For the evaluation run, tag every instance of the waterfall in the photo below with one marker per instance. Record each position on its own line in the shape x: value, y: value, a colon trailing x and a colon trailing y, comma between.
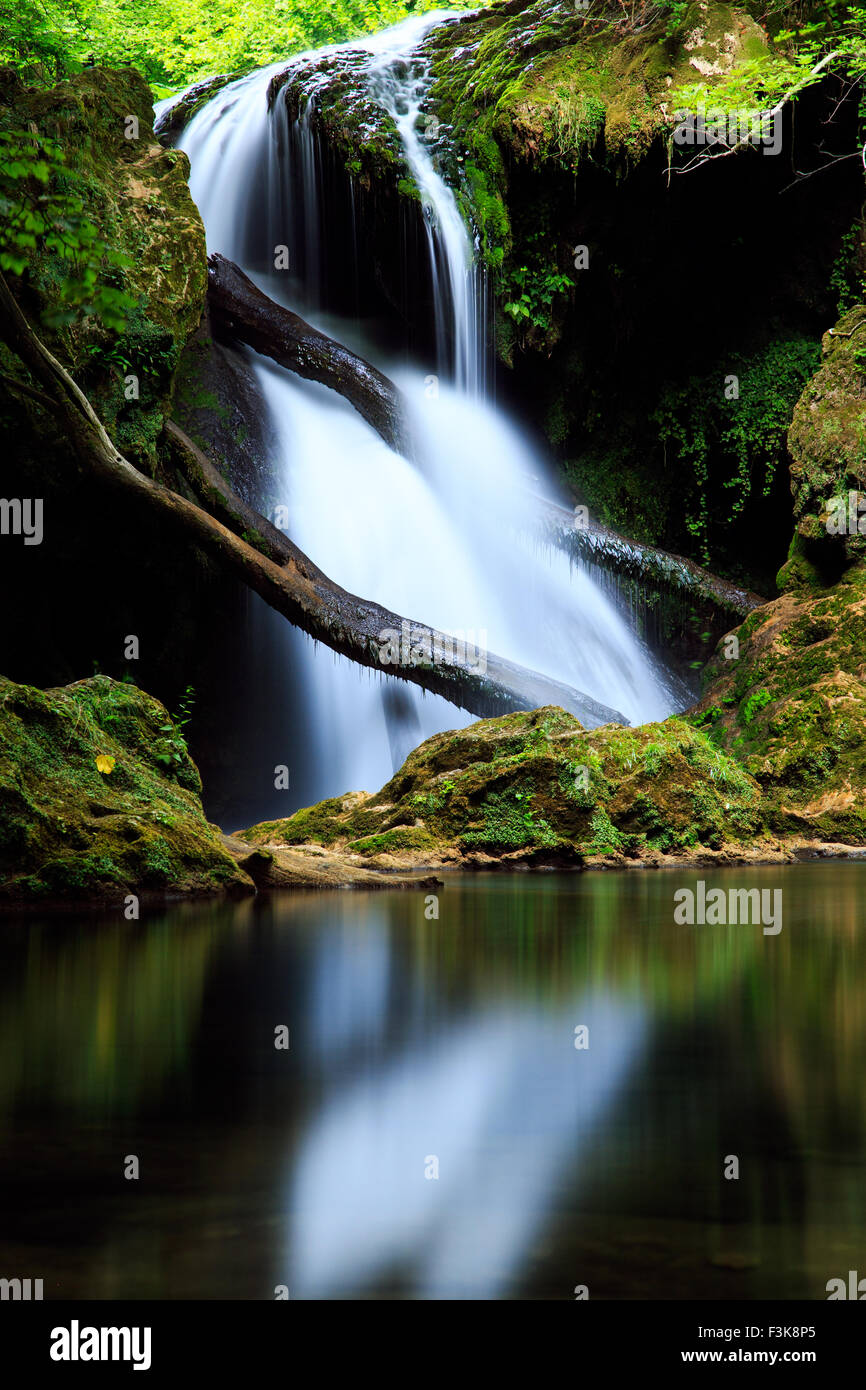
x: 400, y: 89
x: 439, y: 538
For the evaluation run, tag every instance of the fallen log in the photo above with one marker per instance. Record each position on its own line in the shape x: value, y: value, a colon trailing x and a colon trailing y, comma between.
x: 267, y: 562
x: 241, y: 309
x: 500, y: 687
x: 592, y: 541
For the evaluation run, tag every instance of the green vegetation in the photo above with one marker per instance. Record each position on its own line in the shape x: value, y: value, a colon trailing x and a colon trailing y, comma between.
x: 89, y: 808
x: 175, y: 42
x: 101, y: 236
x: 42, y: 202
x: 538, y: 787
x: 792, y: 708
x: 700, y: 423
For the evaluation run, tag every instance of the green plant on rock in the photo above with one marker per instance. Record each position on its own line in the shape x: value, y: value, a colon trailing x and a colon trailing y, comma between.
x: 533, y: 293
x: 509, y: 823
x: 847, y: 280
x: 753, y: 704
x: 43, y: 208
x: 606, y: 839
x: 734, y: 444
x: 172, y: 751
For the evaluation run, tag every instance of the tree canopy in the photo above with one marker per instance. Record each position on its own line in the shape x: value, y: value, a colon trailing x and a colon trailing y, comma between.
x: 175, y: 42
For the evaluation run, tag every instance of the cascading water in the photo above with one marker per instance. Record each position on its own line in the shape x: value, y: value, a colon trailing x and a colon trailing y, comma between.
x: 441, y: 538
x: 400, y: 89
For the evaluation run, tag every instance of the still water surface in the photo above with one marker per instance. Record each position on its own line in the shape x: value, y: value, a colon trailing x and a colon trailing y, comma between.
x: 416, y: 1042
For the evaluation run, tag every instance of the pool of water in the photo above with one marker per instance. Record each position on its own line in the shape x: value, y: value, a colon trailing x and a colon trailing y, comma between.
x: 432, y: 1130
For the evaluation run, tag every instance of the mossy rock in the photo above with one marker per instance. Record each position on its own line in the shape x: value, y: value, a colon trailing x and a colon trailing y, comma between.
x: 169, y: 125
x: 538, y: 787
x: 791, y: 707
x: 100, y: 798
x: 333, y: 94
x: 827, y: 444
x: 541, y: 83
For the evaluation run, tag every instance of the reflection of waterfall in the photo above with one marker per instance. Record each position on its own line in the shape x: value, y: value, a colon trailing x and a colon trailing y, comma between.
x: 506, y: 1106
x: 438, y: 540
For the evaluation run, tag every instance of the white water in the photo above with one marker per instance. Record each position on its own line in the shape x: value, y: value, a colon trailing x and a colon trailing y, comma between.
x: 438, y: 540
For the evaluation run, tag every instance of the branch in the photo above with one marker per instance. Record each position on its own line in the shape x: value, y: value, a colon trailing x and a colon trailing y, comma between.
x: 281, y: 574
x: 29, y: 391
x: 834, y: 332
x: 241, y: 309
x: 705, y: 156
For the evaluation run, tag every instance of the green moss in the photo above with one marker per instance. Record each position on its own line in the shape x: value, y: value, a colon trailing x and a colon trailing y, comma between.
x: 408, y: 837
x: 537, y: 782
x: 792, y: 707
x: 827, y: 443
x: 68, y: 828
x: 508, y: 822
x: 753, y: 703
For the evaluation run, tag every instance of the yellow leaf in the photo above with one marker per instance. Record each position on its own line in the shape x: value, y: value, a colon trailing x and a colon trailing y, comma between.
x: 105, y: 764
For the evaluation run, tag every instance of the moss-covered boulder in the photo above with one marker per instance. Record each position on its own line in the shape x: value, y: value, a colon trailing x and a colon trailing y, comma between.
x: 99, y: 797
x: 538, y: 788
x: 335, y: 95
x: 827, y: 443
x: 788, y: 701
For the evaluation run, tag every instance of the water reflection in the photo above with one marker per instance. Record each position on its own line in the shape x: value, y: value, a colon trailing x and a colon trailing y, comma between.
x: 442, y: 1165
x: 451, y: 1039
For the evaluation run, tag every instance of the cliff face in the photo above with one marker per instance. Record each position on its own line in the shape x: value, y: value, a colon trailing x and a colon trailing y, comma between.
x: 827, y: 441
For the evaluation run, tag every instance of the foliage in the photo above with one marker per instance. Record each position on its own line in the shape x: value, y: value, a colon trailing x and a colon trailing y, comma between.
x: 172, y: 751
x: 509, y: 823
x: 532, y: 291
x: 35, y: 36
x: 753, y: 704
x: 700, y: 426
x: 175, y: 42
x: 846, y: 278
x: 830, y: 36
x: 42, y: 209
